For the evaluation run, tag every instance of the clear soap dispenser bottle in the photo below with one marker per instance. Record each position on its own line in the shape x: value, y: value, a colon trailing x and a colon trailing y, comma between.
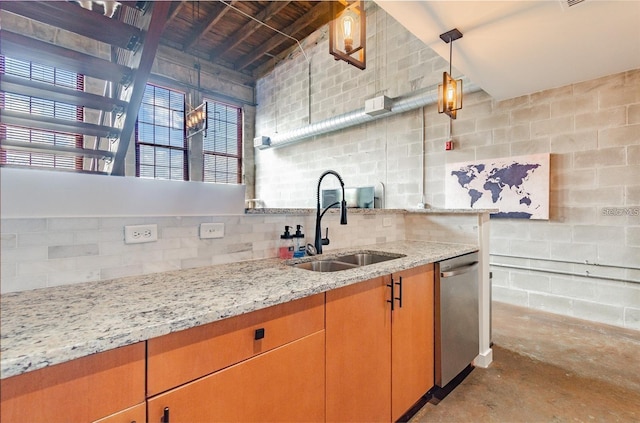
x: 299, y: 248
x: 285, y: 251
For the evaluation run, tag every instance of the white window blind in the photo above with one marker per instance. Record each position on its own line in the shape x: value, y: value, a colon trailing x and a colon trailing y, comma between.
x: 222, y: 144
x: 40, y: 107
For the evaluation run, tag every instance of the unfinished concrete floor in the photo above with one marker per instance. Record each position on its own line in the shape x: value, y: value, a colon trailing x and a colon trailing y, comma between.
x: 548, y: 368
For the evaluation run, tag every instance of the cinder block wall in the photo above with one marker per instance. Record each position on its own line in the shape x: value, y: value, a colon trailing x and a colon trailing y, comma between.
x: 585, y: 260
x: 386, y: 151
x: 591, y: 129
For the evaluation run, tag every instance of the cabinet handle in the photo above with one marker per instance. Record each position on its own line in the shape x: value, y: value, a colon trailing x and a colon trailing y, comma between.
x: 259, y: 334
x: 399, y: 297
x: 165, y: 415
x: 390, y: 285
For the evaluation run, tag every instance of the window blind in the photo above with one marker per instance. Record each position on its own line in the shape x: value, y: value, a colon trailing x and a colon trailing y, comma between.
x: 222, y: 144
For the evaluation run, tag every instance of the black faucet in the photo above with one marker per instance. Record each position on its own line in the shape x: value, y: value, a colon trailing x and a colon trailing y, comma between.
x: 319, y: 241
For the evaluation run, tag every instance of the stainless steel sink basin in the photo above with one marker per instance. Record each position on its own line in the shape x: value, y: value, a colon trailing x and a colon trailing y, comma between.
x: 325, y: 266
x: 363, y: 259
x: 345, y: 262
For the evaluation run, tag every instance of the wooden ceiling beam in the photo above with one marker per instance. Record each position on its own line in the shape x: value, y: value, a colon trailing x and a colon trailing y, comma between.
x: 176, y: 8
x: 246, y: 31
x: 313, y: 14
x: 201, y: 31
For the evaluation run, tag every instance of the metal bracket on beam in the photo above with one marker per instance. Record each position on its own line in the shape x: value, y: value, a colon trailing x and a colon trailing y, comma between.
x: 134, y: 43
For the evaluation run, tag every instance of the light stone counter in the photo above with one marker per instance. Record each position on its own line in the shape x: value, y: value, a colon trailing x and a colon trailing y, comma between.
x: 48, y: 326
x: 312, y: 211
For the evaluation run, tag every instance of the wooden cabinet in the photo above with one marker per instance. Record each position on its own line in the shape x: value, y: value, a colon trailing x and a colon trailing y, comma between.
x: 285, y: 384
x: 81, y: 390
x: 413, y: 354
x: 363, y: 352
x: 379, y: 361
x: 267, y: 365
x: 358, y: 332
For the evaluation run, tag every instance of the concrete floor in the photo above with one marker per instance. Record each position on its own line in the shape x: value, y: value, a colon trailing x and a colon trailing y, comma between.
x: 548, y: 368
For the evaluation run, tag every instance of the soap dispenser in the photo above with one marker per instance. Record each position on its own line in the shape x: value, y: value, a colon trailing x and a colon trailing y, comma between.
x: 299, y: 236
x: 285, y: 251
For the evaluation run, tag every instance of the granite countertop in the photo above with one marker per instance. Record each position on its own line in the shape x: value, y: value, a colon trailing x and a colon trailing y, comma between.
x: 48, y: 326
x: 312, y: 211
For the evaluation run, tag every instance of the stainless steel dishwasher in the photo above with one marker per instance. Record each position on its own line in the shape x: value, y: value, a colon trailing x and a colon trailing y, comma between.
x: 456, y: 316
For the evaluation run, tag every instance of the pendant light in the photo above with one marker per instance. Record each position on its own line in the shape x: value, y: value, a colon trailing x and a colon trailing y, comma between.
x: 450, y: 91
x: 196, y: 117
x: 348, y: 34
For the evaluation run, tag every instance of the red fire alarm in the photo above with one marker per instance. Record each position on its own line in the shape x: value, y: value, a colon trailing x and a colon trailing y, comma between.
x: 448, y: 145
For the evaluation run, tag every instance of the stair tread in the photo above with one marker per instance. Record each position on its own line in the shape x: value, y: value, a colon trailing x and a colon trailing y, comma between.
x: 73, y: 18
x: 10, y: 117
x: 26, y: 48
x: 23, y: 86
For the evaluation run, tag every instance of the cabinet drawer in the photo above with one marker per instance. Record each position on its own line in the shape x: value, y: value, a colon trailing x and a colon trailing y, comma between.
x: 135, y: 414
x: 183, y: 356
x: 285, y: 384
x: 81, y: 390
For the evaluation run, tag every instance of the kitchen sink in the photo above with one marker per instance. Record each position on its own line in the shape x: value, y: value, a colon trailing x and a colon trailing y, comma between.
x: 325, y: 265
x: 346, y: 262
x: 363, y: 259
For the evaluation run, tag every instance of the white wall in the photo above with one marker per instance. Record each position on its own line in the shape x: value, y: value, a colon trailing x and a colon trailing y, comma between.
x: 43, y: 193
x: 591, y: 129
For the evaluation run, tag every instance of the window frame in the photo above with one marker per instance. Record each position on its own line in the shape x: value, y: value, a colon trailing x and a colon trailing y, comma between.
x: 212, y: 153
x: 184, y: 149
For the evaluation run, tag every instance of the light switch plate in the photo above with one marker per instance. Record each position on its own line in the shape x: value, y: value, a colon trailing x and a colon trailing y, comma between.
x: 211, y: 230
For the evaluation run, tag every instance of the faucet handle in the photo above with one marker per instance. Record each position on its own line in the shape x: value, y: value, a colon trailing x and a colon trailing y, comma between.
x: 325, y: 240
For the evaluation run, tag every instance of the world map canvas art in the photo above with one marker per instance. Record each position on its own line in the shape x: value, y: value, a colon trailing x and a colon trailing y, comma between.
x: 517, y: 186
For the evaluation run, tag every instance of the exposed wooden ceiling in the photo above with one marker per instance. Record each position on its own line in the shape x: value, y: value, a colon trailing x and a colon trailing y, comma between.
x: 245, y: 36
x: 224, y: 32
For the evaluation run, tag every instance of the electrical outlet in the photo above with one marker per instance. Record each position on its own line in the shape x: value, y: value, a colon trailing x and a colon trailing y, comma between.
x: 140, y: 233
x: 211, y: 230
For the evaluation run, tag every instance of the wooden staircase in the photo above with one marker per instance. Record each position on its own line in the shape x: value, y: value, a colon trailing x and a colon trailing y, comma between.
x: 132, y: 35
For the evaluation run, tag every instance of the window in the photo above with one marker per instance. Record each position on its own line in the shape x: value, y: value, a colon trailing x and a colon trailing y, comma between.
x: 161, y: 145
x: 222, y: 144
x: 21, y: 135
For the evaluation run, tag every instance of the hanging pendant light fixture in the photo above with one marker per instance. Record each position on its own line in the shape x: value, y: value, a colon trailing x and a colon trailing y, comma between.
x: 450, y: 91
x: 196, y: 117
x: 348, y: 34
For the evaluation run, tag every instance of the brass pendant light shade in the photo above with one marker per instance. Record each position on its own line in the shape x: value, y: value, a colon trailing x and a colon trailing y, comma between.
x: 348, y: 34
x: 450, y: 91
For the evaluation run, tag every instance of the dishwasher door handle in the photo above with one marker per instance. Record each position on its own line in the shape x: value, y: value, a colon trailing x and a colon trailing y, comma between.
x: 460, y: 270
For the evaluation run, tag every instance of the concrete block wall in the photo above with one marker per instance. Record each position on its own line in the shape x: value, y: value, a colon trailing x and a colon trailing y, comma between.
x: 385, y: 151
x: 585, y: 260
x: 591, y: 129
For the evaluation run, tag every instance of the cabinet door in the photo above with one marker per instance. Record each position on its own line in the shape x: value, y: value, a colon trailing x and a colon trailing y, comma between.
x: 285, y: 384
x: 81, y: 390
x: 358, y: 327
x: 413, y: 339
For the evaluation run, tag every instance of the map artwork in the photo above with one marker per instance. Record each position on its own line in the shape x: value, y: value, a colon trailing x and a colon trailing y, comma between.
x: 517, y: 186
